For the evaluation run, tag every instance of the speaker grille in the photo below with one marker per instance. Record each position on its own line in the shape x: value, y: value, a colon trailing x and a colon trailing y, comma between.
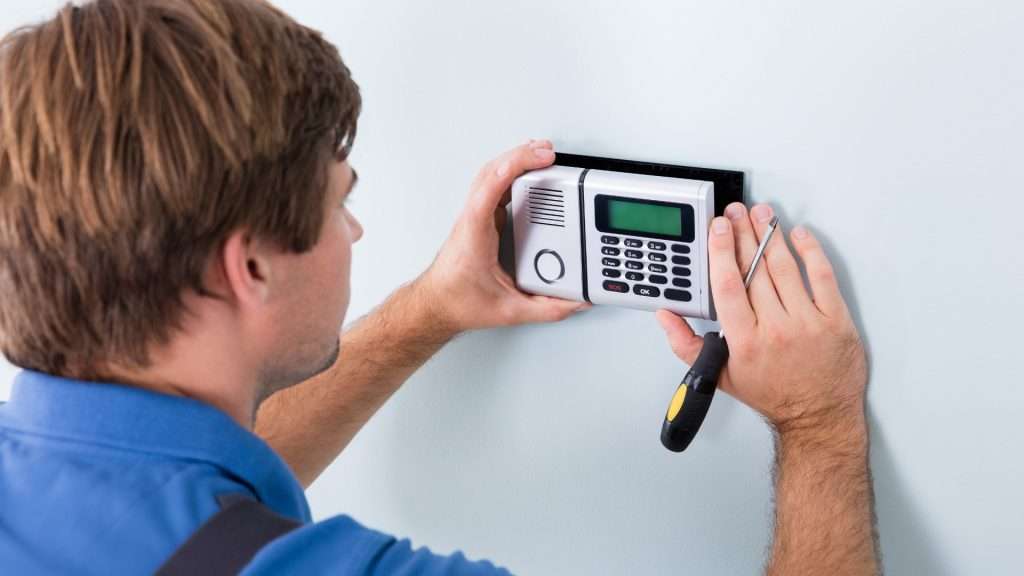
x: 546, y: 206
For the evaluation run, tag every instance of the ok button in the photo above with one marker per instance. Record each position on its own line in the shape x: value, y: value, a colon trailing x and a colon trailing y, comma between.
x: 644, y: 290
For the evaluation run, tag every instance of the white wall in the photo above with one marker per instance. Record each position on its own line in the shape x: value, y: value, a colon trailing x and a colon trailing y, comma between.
x: 895, y: 131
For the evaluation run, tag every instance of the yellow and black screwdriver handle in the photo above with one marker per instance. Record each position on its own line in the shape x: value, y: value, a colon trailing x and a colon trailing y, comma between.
x: 692, y: 399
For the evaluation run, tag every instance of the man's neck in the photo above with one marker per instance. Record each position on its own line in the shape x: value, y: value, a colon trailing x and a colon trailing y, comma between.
x: 198, y: 368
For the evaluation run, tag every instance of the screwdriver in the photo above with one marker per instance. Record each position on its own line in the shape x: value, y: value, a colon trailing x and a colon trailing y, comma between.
x: 693, y: 397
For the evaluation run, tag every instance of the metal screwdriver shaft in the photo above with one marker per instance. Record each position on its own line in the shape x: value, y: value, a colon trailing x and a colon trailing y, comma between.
x: 757, y: 259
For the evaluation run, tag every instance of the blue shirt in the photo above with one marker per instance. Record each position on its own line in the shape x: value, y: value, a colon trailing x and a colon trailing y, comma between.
x: 108, y: 479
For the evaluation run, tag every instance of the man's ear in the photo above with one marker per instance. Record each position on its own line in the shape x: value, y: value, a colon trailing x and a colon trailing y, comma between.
x: 246, y: 269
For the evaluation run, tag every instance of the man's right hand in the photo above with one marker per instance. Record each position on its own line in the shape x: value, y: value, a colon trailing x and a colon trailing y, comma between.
x: 795, y: 359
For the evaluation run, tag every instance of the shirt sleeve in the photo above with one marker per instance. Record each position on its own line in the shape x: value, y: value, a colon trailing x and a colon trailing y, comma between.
x: 400, y: 559
x: 342, y: 546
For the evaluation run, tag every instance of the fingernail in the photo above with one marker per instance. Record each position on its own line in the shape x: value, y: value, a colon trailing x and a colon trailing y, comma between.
x: 544, y: 153
x: 720, y: 226
x: 538, y: 143
x: 735, y: 211
x: 800, y: 232
x: 762, y: 212
x: 503, y: 169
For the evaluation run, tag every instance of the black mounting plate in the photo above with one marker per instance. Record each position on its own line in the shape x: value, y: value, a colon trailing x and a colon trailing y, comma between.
x: 728, y: 183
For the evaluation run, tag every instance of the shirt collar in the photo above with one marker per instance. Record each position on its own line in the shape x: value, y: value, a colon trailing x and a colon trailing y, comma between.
x: 143, y: 421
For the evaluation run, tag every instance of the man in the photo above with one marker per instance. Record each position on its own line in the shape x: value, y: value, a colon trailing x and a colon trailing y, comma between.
x: 174, y: 265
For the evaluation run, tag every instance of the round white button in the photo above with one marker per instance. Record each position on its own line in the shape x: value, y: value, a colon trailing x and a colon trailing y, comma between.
x: 549, y: 266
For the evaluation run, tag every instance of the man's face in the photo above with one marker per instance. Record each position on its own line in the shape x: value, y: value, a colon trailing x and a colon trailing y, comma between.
x: 314, y: 293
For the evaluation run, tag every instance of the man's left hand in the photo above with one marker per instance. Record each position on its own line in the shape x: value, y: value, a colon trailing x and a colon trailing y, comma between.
x: 465, y: 287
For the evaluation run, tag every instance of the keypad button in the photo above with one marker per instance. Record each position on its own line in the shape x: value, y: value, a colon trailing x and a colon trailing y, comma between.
x: 684, y: 260
x: 633, y: 243
x: 611, y: 240
x: 611, y: 261
x: 656, y: 257
x: 634, y: 276
x: 655, y: 279
x: 680, y: 271
x: 634, y: 265
x: 609, y: 251
x: 656, y: 245
x: 681, y: 282
x: 614, y: 286
x: 644, y: 290
x: 680, y: 248
x: 634, y: 254
x: 610, y: 273
x: 657, y: 268
x: 680, y: 295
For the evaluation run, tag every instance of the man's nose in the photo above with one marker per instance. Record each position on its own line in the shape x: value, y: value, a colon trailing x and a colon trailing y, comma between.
x: 357, y: 230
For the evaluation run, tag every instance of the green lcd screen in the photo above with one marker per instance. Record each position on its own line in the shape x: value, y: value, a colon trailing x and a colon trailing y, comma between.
x: 643, y: 217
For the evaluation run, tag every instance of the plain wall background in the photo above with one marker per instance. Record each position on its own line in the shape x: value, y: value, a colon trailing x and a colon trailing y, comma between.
x: 894, y: 131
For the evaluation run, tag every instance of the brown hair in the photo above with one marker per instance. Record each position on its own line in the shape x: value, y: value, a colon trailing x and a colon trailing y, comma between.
x: 135, y: 136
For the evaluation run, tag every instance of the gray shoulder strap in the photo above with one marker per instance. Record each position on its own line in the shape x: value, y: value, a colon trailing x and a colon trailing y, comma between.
x: 229, y: 539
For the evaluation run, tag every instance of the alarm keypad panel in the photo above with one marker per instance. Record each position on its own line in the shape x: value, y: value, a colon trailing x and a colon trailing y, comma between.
x: 626, y: 239
x: 653, y: 220
x: 647, y: 260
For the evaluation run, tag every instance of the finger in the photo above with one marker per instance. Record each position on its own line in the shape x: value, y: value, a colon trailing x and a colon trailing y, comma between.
x: 820, y: 274
x: 495, y: 179
x: 783, y: 269
x: 534, y: 144
x: 536, y: 309
x: 731, y: 302
x: 763, y: 297
x: 684, y: 343
x: 500, y: 219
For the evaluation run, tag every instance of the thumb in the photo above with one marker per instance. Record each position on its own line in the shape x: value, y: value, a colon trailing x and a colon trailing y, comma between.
x: 684, y: 343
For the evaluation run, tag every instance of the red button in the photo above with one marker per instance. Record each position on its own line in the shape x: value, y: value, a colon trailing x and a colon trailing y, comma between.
x: 613, y: 286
